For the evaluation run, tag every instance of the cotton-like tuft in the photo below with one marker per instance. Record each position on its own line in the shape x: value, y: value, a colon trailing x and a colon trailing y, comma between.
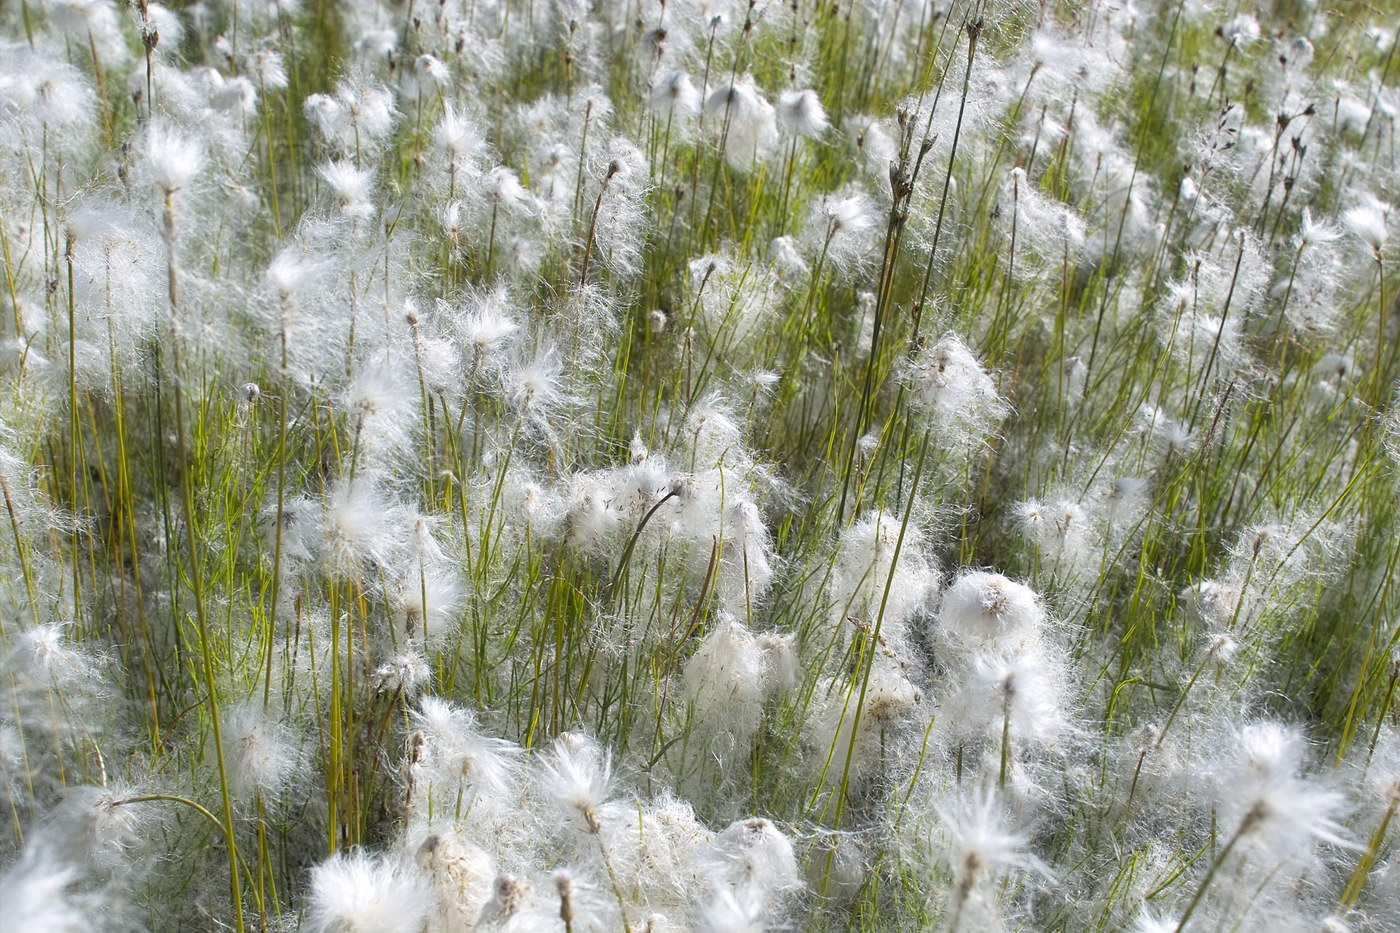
x: 362, y: 892
x: 984, y: 607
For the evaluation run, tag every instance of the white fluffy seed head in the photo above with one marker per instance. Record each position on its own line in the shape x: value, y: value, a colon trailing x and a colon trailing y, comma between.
x: 842, y: 230
x: 508, y: 897
x: 1367, y: 223
x: 291, y: 271
x: 800, y: 113
x: 101, y: 827
x: 262, y: 757
x: 872, y: 584
x: 1124, y: 498
x: 39, y: 893
x: 782, y: 668
x: 851, y: 740
x: 430, y: 70
x: 350, y: 185
x: 733, y: 910
x: 359, y: 892
x: 1241, y: 31
x: 755, y: 852
x: 460, y: 140
x: 1274, y: 811
x: 576, y: 775
x: 1314, y: 232
x: 747, y: 123
x: 723, y: 680
x: 425, y: 599
x: 405, y: 673
x: 953, y: 390
x: 461, y: 873
x: 980, y: 606
x: 358, y: 530
x: 172, y: 158
x: 461, y: 758
x: 1172, y: 437
x: 1061, y: 531
x: 1269, y: 751
x: 1016, y: 692
x: 746, y: 558
x: 45, y: 656
x: 873, y: 145
x: 674, y: 97
x: 503, y: 187
x: 979, y: 846
x: 268, y: 66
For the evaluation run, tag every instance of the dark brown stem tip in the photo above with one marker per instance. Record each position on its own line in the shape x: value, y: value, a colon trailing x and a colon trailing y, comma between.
x: 974, y: 32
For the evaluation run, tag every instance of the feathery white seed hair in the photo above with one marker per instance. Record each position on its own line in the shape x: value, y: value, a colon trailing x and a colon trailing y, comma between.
x: 981, y: 606
x: 362, y: 892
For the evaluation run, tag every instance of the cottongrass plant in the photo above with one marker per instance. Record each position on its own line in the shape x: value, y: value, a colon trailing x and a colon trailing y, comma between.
x: 689, y: 465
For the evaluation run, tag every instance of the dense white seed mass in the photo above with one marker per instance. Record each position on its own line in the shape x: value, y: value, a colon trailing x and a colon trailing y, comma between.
x: 980, y: 606
x: 552, y: 466
x: 364, y: 893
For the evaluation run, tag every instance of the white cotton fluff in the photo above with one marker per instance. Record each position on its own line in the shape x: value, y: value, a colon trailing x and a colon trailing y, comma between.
x: 461, y: 143
x: 466, y: 768
x: 724, y: 682
x: 1123, y: 500
x: 363, y: 892
x: 360, y: 529
x: 957, y: 396
x: 101, y: 828
x: 663, y: 846
x: 782, y: 668
x: 1242, y: 30
x: 425, y: 598
x: 461, y: 874
x: 980, y: 845
x: 54, y: 687
x: 382, y: 405
x: 674, y: 98
x: 973, y: 840
x: 746, y: 123
x: 576, y: 775
x: 870, y: 581
x: 1200, y: 322
x: 1367, y: 222
x: 260, y: 753
x: 1019, y: 693
x: 1276, y: 813
x: 41, y: 894
x: 746, y: 557
x: 1049, y: 235
x: 508, y: 906
x: 733, y: 910
x: 984, y: 607
x: 755, y: 852
x: 849, y: 732
x: 874, y: 147
x: 351, y: 186
x: 1169, y: 436
x: 713, y: 431
x: 119, y: 268
x: 405, y: 674
x: 592, y: 524
x: 535, y: 388
x: 356, y: 117
x: 842, y: 230
x: 800, y: 113
x: 738, y: 299
x: 172, y: 157
x: 1064, y: 535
